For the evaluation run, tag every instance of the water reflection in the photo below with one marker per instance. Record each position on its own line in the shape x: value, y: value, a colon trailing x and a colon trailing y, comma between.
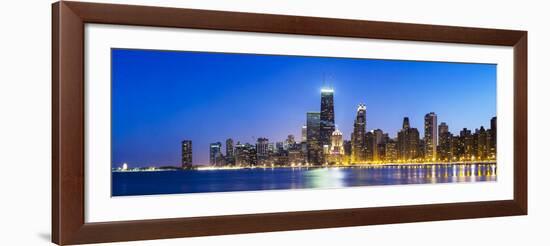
x: 174, y: 182
x: 400, y: 174
x: 325, y: 177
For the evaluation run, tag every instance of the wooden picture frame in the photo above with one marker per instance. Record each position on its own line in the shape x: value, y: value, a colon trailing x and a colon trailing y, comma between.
x: 68, y: 117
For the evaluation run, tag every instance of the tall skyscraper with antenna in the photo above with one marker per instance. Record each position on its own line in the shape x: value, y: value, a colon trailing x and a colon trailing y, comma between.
x: 327, y: 126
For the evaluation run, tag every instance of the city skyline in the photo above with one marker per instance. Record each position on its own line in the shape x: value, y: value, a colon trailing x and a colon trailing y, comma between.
x: 477, y: 81
x: 437, y: 144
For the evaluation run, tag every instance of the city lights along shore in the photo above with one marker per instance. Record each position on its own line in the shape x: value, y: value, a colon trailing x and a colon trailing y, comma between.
x: 322, y: 144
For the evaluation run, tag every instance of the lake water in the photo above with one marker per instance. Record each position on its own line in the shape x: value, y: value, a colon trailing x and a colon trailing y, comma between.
x: 196, y: 181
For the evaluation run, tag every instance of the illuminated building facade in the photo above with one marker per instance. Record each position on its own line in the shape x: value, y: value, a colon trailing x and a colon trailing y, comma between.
x: 391, y: 151
x: 262, y: 150
x: 374, y: 147
x: 358, y: 137
x: 445, y: 140
x: 216, y: 157
x: 327, y: 125
x: 430, y: 136
x: 296, y: 156
x: 467, y: 143
x: 245, y: 155
x: 337, y: 152
x: 482, y: 144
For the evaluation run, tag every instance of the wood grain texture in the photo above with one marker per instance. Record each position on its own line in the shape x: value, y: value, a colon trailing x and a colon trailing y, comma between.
x: 520, y: 122
x: 68, y: 120
x: 68, y: 224
x: 251, y: 22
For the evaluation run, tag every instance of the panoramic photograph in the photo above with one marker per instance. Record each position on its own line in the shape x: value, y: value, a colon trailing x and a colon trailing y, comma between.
x: 196, y: 122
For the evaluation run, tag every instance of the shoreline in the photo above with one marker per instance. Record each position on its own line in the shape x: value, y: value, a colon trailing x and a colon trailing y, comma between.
x: 369, y: 165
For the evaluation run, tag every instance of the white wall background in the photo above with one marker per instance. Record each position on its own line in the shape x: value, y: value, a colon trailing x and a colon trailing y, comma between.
x: 25, y: 138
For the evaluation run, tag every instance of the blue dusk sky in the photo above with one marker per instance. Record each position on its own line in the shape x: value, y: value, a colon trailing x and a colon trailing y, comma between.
x: 160, y: 98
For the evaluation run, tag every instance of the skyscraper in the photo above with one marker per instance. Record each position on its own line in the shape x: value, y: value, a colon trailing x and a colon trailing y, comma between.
x: 240, y: 159
x: 467, y: 144
x: 482, y: 144
x: 347, y: 151
x: 430, y: 135
x: 304, y: 133
x: 245, y: 155
x: 186, y: 154
x: 262, y: 150
x: 216, y: 154
x: 337, y: 147
x: 442, y: 129
x: 493, y: 139
x: 406, y: 124
x: 369, y: 139
x: 391, y: 150
x: 327, y: 117
x: 378, y: 143
x: 229, y: 152
x: 358, y: 137
x: 408, y: 142
x: 457, y: 148
x: 445, y: 140
x: 314, y: 148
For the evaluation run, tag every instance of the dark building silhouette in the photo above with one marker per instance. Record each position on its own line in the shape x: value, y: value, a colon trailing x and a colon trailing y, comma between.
x: 186, y: 154
x: 441, y: 130
x: 408, y: 142
x: 379, y: 140
x: 406, y: 124
x: 229, y: 152
x: 347, y: 150
x: 493, y: 138
x: 314, y: 148
x: 369, y: 150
